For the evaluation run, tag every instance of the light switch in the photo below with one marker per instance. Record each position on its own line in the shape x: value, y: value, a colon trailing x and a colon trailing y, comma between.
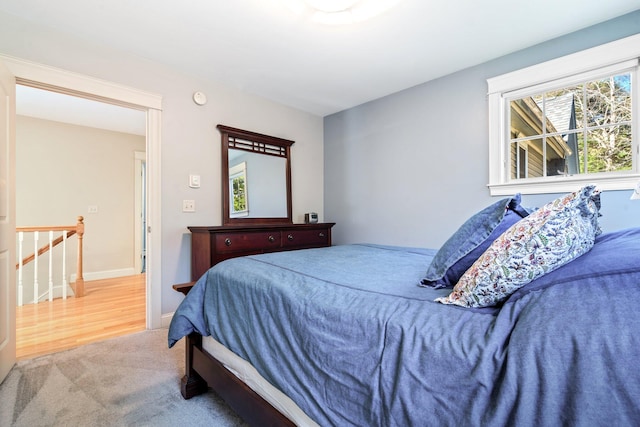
x: 188, y: 206
x: 194, y: 181
x: 92, y: 209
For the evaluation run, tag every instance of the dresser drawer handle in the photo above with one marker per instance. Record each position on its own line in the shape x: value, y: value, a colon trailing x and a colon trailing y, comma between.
x: 227, y: 241
x: 290, y: 237
x: 272, y: 239
x: 321, y: 234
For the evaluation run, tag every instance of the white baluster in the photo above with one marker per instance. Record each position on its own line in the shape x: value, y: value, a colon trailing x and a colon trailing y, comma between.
x: 50, y: 265
x: 35, y: 267
x: 64, y: 264
x: 20, y: 291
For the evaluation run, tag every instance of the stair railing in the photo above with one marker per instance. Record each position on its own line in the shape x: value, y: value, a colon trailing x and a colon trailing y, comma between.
x: 65, y: 232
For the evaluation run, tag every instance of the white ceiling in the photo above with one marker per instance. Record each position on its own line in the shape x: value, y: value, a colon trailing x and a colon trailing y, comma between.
x: 58, y: 107
x: 262, y: 47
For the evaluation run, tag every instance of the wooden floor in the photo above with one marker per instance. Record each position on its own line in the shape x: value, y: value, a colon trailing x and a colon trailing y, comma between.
x: 110, y: 308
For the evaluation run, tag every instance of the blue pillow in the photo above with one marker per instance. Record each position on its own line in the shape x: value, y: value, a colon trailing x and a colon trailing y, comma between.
x: 553, y: 236
x: 466, y: 245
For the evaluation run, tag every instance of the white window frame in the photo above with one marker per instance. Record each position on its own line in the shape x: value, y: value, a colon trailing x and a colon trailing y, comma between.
x: 611, y: 57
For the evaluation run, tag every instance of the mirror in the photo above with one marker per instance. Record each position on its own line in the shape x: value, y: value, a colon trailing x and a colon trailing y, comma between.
x: 256, y: 178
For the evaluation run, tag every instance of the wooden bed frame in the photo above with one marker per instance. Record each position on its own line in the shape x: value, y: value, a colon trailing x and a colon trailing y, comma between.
x: 210, y: 245
x: 203, y: 371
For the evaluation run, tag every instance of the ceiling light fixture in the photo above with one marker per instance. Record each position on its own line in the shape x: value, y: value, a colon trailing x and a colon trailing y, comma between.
x: 332, y: 6
x: 340, y: 12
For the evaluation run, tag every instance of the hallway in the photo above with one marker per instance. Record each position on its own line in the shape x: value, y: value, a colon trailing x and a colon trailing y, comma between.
x: 110, y: 308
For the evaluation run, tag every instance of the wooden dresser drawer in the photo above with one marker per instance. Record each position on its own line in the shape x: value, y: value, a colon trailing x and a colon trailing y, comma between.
x: 305, y: 238
x: 247, y: 241
x: 211, y: 245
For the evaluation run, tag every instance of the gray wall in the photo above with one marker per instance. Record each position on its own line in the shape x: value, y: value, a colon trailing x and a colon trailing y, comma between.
x: 410, y: 168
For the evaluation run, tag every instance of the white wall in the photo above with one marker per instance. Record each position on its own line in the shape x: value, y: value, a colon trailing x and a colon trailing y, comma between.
x: 62, y: 169
x: 190, y: 141
x: 410, y: 168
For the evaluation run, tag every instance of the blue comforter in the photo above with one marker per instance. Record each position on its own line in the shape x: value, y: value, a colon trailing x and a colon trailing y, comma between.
x: 348, y: 334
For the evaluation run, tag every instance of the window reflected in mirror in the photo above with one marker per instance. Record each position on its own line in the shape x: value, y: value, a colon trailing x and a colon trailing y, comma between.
x: 238, y: 190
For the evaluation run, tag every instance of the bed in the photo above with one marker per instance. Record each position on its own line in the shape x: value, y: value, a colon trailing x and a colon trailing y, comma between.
x: 350, y: 335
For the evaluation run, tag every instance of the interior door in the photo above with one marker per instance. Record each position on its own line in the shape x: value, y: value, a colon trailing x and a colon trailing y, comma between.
x: 7, y: 223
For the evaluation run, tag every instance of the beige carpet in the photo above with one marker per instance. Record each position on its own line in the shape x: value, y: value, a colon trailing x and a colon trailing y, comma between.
x: 127, y: 381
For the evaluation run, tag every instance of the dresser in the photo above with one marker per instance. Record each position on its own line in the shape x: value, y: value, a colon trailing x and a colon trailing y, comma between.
x: 210, y: 245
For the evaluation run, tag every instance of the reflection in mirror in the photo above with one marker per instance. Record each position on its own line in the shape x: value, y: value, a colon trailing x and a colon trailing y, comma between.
x: 259, y: 188
x: 256, y: 178
x: 238, y: 189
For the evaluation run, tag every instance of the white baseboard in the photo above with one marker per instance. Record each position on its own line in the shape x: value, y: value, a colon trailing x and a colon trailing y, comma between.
x: 165, y: 320
x: 107, y: 274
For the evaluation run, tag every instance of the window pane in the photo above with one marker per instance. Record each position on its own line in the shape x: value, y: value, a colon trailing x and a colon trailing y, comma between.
x: 526, y: 118
x: 555, y: 156
x: 561, y: 108
x: 239, y: 194
x: 518, y: 160
x: 526, y: 159
x: 609, y: 100
x: 534, y: 165
x: 609, y: 149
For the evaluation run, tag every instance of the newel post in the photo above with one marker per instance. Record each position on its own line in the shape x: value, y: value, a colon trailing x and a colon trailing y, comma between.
x: 79, y: 285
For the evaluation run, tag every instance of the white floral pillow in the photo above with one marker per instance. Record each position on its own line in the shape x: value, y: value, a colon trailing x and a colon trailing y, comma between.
x: 550, y: 237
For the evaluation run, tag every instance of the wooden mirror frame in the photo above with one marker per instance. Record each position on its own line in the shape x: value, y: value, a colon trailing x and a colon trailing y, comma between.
x: 256, y: 143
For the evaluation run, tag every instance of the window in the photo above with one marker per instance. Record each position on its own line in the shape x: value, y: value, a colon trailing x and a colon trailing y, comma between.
x: 567, y: 122
x: 238, y: 190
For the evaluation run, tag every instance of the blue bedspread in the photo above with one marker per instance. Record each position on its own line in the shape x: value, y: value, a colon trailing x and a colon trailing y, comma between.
x: 348, y: 334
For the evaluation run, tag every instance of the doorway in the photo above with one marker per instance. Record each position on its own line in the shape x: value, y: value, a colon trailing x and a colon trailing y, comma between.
x: 45, y: 77
x: 73, y: 158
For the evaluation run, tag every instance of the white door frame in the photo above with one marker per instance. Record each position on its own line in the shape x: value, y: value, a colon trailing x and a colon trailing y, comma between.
x: 55, y: 79
x: 7, y: 222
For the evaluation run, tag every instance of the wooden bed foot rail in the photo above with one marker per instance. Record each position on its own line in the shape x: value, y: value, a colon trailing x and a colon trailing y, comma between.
x: 203, y: 371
